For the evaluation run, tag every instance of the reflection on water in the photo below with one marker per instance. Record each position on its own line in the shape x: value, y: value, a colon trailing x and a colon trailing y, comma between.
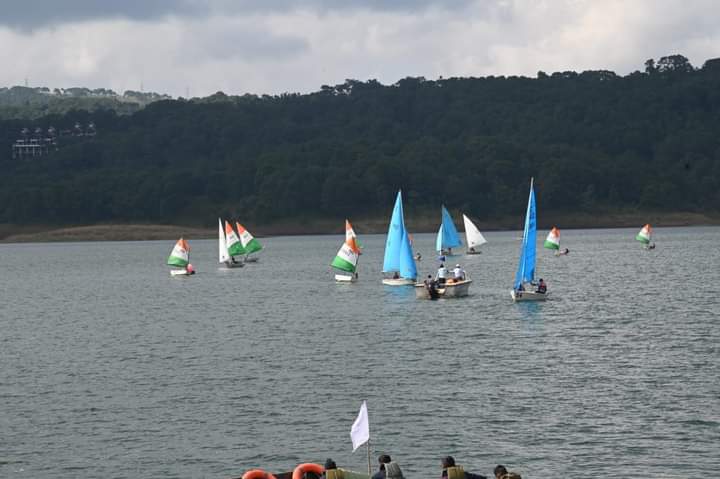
x: 112, y: 368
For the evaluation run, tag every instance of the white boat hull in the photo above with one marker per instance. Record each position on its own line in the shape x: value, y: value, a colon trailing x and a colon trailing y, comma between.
x: 449, y: 290
x: 179, y: 272
x: 518, y: 296
x: 398, y: 282
x: 345, y: 278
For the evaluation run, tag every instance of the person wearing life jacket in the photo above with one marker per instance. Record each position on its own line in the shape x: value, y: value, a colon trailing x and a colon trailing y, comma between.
x: 441, y: 274
x: 383, y: 460
x: 189, y: 269
x: 502, y: 473
x: 458, y: 273
x: 452, y: 471
x: 541, y: 287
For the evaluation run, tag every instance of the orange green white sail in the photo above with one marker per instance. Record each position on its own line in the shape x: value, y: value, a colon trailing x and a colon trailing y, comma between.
x: 645, y: 234
x: 347, y: 258
x: 180, y: 255
x: 249, y: 243
x: 553, y: 239
x: 350, y: 233
x: 234, y: 246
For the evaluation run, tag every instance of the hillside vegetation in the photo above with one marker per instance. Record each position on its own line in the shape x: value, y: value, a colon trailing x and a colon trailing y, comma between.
x: 596, y: 143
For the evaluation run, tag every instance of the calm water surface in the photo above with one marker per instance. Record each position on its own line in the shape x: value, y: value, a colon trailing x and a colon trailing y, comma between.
x: 110, y: 368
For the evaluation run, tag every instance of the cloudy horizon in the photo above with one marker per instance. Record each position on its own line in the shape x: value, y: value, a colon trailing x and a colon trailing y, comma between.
x: 199, y: 47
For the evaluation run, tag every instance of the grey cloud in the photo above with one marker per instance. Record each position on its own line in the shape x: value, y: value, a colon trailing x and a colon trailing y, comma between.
x: 36, y: 14
x: 246, y: 44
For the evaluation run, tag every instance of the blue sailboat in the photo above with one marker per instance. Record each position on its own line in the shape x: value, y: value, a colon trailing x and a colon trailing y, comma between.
x: 399, y: 261
x: 447, y: 237
x: 523, y: 288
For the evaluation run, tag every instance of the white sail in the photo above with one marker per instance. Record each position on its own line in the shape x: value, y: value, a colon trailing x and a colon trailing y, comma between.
x: 473, y: 235
x: 223, y: 255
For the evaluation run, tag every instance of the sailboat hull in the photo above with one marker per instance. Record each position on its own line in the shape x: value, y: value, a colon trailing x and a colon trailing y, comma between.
x: 450, y: 290
x: 179, y: 272
x: 398, y: 282
x: 519, y: 296
x: 231, y: 265
x: 345, y: 278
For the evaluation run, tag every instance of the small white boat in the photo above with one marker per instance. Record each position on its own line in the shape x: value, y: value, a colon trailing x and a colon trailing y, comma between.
x: 180, y: 257
x: 475, y: 239
x: 518, y: 296
x: 524, y: 279
x: 645, y: 237
x: 399, y: 260
x: 398, y: 282
x: 226, y: 236
x: 346, y: 259
x: 451, y: 289
x: 250, y: 244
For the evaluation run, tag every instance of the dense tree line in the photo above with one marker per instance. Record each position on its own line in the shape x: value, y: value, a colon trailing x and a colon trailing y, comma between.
x: 595, y: 142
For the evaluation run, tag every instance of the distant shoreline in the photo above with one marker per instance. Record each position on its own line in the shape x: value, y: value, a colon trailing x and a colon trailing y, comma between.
x: 149, y: 232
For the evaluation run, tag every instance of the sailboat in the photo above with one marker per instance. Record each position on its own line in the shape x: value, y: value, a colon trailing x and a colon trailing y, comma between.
x: 250, y: 245
x: 522, y: 289
x: 474, y: 238
x: 228, y: 246
x: 447, y: 237
x: 553, y: 240
x: 645, y: 236
x: 347, y: 258
x: 180, y: 257
x: 399, y: 259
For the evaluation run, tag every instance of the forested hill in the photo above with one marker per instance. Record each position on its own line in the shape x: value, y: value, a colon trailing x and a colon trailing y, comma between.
x: 595, y: 142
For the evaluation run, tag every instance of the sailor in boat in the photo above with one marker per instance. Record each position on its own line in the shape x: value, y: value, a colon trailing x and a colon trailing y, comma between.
x: 441, y: 276
x: 383, y: 459
x: 541, y: 287
x: 451, y: 471
x: 418, y: 256
x: 563, y: 252
x: 431, y: 287
x: 441, y: 258
x: 396, y: 275
x: 651, y: 246
x: 502, y: 473
x: 458, y: 273
x: 189, y: 269
x: 329, y: 465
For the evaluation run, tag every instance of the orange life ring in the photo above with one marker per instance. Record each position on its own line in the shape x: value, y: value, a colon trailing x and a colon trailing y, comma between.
x: 257, y: 474
x: 307, y: 467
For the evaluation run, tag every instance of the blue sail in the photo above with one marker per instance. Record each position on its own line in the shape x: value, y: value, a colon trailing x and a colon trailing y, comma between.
x: 447, y: 235
x: 393, y: 244
x: 526, y: 266
x: 408, y: 270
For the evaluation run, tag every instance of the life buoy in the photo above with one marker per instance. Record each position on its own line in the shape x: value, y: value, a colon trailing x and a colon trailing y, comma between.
x: 257, y: 474
x: 307, y: 467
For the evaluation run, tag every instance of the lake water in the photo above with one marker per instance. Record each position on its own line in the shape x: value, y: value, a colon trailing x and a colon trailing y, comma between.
x: 110, y: 368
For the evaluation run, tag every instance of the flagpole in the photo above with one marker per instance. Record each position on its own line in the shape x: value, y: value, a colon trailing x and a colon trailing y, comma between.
x: 368, y: 454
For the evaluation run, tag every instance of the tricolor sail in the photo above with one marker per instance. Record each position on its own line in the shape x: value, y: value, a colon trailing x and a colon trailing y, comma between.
x: 553, y: 239
x: 473, y: 235
x: 180, y: 255
x: 645, y: 235
x: 234, y: 247
x: 249, y: 243
x: 347, y: 258
x: 447, y: 237
x: 350, y: 233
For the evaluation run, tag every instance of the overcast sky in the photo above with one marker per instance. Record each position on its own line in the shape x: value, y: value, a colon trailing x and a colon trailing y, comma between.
x: 266, y: 46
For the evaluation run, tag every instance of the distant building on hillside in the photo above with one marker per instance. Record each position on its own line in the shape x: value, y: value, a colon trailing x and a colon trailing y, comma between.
x: 39, y: 142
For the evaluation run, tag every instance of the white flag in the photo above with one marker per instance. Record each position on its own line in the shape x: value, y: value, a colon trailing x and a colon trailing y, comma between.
x: 360, y: 432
